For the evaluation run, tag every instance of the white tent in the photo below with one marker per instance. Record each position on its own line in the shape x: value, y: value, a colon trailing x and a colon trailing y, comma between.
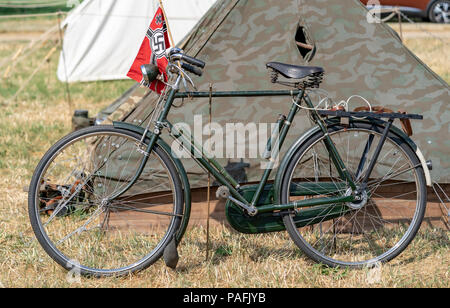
x: 102, y: 37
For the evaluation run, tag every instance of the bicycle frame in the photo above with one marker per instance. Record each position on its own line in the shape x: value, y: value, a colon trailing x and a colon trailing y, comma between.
x: 211, y: 165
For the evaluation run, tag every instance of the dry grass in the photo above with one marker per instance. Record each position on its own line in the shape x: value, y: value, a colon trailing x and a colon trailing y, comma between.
x: 29, y: 125
x: 237, y: 261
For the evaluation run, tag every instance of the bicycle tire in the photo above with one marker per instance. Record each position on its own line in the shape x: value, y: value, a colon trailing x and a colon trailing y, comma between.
x: 68, y: 262
x: 310, y: 243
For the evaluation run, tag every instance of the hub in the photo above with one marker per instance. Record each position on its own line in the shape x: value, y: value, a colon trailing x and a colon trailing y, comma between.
x: 361, y: 199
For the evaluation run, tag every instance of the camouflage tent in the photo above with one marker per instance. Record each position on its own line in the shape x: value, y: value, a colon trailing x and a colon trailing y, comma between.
x: 236, y: 38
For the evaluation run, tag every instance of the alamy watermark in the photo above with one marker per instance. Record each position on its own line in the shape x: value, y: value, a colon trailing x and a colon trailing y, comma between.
x: 74, y: 274
x: 374, y: 274
x: 374, y: 14
x: 232, y: 141
x: 73, y: 3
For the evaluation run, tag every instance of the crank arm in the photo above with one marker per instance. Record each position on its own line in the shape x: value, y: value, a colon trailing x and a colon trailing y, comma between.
x: 251, y: 210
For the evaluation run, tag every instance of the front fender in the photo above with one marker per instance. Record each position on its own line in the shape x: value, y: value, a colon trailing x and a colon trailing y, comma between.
x: 336, y: 121
x: 180, y: 168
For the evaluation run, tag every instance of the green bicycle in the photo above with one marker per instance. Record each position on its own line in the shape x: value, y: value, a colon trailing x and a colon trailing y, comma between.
x: 112, y: 200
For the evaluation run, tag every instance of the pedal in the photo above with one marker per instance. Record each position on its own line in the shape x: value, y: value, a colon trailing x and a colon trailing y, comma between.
x: 222, y: 192
x: 170, y: 254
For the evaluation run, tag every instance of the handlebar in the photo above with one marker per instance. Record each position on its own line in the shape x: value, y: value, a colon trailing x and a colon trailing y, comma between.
x: 176, y: 54
x: 182, y: 57
x: 193, y: 61
x: 192, y: 69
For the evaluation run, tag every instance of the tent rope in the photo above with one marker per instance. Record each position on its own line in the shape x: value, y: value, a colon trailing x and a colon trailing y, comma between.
x: 400, y: 14
x: 29, y: 15
x: 25, y: 84
x: 422, y: 29
x: 61, y: 41
x: 441, y: 198
x: 30, y: 48
x: 32, y: 5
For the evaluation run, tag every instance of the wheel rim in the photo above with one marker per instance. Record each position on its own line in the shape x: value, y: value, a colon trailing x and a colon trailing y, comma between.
x: 370, y: 233
x: 88, y: 231
x: 440, y: 12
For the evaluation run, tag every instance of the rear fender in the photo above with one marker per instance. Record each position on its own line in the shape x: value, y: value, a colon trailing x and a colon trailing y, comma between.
x: 336, y: 121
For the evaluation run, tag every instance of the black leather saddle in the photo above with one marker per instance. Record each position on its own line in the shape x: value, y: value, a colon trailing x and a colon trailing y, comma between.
x: 294, y: 71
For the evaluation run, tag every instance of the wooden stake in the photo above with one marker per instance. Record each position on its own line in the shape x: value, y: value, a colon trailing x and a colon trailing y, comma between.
x: 14, y: 58
x: 209, y: 174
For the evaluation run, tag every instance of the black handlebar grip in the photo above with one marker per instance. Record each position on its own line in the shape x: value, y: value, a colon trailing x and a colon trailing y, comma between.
x: 193, y: 61
x: 192, y: 69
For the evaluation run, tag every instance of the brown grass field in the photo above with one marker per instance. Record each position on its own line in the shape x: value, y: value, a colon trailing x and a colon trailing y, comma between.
x: 39, y: 116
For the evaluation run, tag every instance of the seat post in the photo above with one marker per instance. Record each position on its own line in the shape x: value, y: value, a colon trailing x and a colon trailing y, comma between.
x: 276, y: 146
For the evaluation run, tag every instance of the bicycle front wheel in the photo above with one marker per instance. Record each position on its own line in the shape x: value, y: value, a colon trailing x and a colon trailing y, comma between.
x: 382, y: 224
x: 76, y: 222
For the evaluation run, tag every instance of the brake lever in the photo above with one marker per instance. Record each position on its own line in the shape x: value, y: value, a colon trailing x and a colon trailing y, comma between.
x: 185, y: 76
x: 185, y: 85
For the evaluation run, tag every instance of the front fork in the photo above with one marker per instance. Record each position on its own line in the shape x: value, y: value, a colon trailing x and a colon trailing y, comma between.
x: 153, y: 139
x: 146, y: 154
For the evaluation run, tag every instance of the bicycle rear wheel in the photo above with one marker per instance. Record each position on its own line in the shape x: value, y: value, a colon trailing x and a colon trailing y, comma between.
x: 76, y: 223
x: 378, y: 228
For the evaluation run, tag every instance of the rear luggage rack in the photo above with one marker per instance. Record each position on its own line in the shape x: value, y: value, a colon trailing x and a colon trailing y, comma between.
x: 344, y: 114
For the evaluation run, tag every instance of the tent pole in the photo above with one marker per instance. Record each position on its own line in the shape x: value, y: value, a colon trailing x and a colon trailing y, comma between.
x: 399, y: 16
x: 69, y: 100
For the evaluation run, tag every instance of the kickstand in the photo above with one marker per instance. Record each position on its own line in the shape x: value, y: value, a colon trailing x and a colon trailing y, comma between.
x: 170, y: 255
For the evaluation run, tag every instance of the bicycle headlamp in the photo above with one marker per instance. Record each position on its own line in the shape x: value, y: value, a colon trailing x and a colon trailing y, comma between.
x: 150, y: 72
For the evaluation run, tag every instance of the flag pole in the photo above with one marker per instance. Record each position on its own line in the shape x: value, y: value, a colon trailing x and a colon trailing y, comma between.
x: 167, y: 23
x: 172, y: 43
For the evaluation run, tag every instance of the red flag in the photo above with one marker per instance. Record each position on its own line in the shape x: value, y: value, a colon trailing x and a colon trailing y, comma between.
x: 153, y: 51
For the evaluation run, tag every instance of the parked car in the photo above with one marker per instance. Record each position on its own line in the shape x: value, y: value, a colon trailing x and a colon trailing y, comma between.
x: 433, y: 10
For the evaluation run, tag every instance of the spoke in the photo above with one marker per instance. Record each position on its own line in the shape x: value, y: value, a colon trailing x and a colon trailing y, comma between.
x: 359, y: 235
x: 383, y: 179
x: 63, y: 205
x: 390, y: 176
x: 396, y: 196
x: 125, y: 200
x: 130, y: 208
x: 153, y: 188
x: 299, y: 185
x: 322, y: 215
x: 104, y: 237
x: 333, y: 225
x: 83, y: 228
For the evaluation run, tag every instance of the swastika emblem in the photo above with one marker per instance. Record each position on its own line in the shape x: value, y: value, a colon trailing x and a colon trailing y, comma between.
x: 159, y: 20
x: 158, y: 43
